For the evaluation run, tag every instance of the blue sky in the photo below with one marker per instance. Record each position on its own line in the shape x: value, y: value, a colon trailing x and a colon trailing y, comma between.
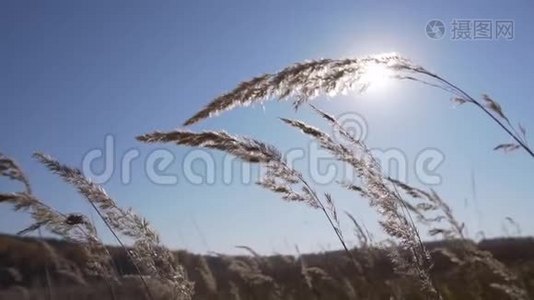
x: 72, y: 72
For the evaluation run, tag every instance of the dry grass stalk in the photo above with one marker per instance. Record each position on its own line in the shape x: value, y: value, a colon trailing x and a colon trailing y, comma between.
x: 454, y: 229
x: 358, y: 231
x: 81, y: 233
x: 515, y: 225
x: 365, y: 242
x: 312, y: 275
x: 250, y: 272
x: 208, y: 279
x: 278, y: 178
x: 433, y: 203
x: 9, y: 168
x: 281, y: 179
x: 250, y: 250
x: 305, y: 81
x: 147, y: 252
x: 74, y: 228
x: 396, y: 220
x: 304, y: 272
x: 302, y: 81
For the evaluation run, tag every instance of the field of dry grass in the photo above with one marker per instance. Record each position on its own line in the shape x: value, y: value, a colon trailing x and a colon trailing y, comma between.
x: 327, y: 275
x: 400, y: 267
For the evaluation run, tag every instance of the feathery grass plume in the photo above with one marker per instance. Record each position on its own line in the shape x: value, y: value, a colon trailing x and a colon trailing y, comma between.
x: 471, y: 255
x: 208, y: 279
x: 510, y: 284
x: 303, y: 272
x: 147, y: 252
x: 319, y: 274
x: 433, y: 203
x: 396, y: 220
x: 47, y: 274
x: 265, y: 262
x: 302, y: 82
x: 9, y: 168
x: 250, y: 272
x: 81, y: 232
x: 312, y: 275
x: 278, y: 178
x: 249, y: 150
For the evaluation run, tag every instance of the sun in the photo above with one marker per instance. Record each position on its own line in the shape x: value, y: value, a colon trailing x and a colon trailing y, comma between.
x: 377, y: 77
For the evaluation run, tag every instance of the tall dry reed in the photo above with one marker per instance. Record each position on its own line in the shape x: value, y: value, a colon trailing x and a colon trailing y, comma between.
x: 302, y: 82
x: 72, y: 227
x: 279, y: 177
x: 147, y: 253
x: 438, y: 215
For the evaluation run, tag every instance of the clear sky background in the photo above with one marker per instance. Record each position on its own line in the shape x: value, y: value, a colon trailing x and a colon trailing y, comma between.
x: 72, y: 72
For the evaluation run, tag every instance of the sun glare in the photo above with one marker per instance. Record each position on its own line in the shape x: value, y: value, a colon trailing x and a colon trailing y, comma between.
x: 377, y: 76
